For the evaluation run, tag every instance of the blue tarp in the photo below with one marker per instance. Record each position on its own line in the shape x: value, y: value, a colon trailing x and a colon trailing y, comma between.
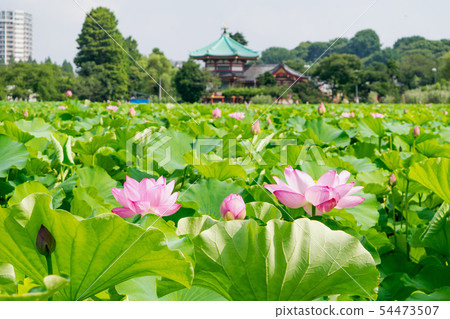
x: 140, y: 101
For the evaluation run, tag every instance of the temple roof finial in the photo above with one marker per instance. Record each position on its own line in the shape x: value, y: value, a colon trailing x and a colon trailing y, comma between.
x: 225, y: 28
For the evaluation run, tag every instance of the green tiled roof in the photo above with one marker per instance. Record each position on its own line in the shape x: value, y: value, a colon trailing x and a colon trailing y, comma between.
x: 225, y: 46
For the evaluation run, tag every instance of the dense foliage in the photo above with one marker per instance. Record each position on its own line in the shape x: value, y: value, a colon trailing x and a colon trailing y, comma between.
x: 63, y: 166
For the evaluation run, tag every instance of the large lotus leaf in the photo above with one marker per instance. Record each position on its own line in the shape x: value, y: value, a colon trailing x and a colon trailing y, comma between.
x: 300, y: 260
x: 410, y: 139
x: 95, y: 253
x: 370, y: 126
x: 12, y: 154
x: 11, y: 129
x: 221, y: 170
x: 167, y: 149
x: 52, y: 284
x: 433, y: 174
x: 328, y: 133
x: 441, y: 294
x: 207, y: 195
x: 7, y: 275
x: 432, y: 148
x: 93, y: 145
x: 37, y: 127
x: 360, y: 164
x: 262, y: 211
x: 144, y: 289
x: 98, y: 178
x: 25, y: 189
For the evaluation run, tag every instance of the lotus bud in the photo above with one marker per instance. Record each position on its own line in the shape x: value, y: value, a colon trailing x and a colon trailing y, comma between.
x: 246, y: 106
x: 45, y: 242
x: 119, y: 103
x: 352, y: 114
x: 321, y: 109
x: 132, y: 112
x: 69, y: 93
x: 256, y: 128
x: 216, y: 113
x: 233, y: 207
x: 445, y: 113
x: 269, y: 121
x: 405, y: 111
x: 25, y: 114
x: 416, y: 131
x: 392, y: 179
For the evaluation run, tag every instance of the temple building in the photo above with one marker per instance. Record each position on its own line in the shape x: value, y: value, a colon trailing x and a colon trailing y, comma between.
x: 228, y: 59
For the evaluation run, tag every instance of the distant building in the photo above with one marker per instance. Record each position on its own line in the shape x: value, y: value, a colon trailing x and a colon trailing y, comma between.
x: 15, y: 35
x: 228, y: 59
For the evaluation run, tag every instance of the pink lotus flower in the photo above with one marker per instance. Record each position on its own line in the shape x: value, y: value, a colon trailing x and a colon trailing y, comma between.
x: 132, y: 112
x: 147, y: 197
x: 445, y: 113
x: 330, y: 191
x: 216, y: 113
x: 238, y: 115
x: 377, y: 115
x: 392, y: 179
x: 256, y: 129
x: 321, y: 109
x: 233, y: 207
x: 25, y: 114
x: 416, y: 131
x: 69, y: 93
x: 112, y: 108
x: 348, y: 114
x: 62, y: 107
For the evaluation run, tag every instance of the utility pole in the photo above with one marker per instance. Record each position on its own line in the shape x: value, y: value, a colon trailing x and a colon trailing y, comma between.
x: 159, y: 90
x: 434, y: 71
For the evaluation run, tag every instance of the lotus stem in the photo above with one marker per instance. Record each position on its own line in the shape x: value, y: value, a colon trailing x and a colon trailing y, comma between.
x: 313, y: 213
x: 379, y: 143
x: 405, y: 212
x: 49, y: 269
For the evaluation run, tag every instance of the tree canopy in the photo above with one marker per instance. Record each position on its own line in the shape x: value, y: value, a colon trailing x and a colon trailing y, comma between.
x: 100, y: 55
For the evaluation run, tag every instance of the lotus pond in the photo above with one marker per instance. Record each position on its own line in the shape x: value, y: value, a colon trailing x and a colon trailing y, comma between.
x: 108, y: 201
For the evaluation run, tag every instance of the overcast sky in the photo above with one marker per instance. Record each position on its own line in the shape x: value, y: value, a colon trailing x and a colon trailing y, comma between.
x: 180, y: 26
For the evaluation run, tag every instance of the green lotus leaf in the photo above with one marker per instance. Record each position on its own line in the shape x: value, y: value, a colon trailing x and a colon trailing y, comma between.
x: 144, y: 289
x: 13, y: 154
x: 300, y: 260
x: 208, y: 194
x: 434, y: 175
x: 95, y: 253
x: 51, y: 285
x: 262, y: 211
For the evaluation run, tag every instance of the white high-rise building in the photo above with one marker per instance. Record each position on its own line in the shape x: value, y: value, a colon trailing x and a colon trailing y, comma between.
x: 16, y: 36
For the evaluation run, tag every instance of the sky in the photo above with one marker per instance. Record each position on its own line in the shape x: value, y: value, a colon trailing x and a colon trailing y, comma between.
x: 180, y: 26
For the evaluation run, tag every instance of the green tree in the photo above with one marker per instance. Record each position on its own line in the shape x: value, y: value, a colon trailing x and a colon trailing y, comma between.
x: 239, y: 37
x: 161, y: 70
x: 416, y: 70
x: 297, y: 64
x: 266, y: 79
x: 101, y: 56
x: 444, y: 67
x: 275, y: 55
x: 67, y: 67
x: 191, y: 81
x: 341, y: 70
x: 364, y: 43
